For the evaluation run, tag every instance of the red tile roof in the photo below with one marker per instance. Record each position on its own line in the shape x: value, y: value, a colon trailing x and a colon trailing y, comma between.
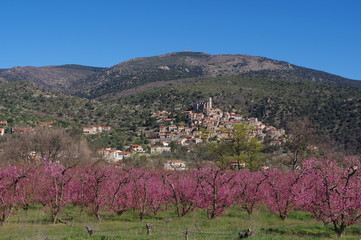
x: 46, y: 123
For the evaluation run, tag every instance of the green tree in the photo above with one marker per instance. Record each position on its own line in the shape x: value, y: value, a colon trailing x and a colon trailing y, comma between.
x: 152, y: 122
x: 180, y: 118
x: 242, y: 148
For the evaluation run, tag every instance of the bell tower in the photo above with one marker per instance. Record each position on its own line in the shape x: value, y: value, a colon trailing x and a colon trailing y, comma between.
x: 210, y: 103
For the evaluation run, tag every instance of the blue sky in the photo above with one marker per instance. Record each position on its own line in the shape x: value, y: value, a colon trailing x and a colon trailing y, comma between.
x: 319, y: 34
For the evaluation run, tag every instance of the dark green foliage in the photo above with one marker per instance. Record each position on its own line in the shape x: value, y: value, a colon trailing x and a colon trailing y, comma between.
x: 138, y: 78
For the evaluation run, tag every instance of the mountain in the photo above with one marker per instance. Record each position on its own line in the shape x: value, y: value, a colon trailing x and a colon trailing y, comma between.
x: 143, y: 73
x: 184, y: 65
x: 55, y: 78
x: 122, y: 96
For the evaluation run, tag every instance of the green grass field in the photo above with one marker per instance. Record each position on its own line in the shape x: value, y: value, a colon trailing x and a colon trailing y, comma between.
x: 35, y: 224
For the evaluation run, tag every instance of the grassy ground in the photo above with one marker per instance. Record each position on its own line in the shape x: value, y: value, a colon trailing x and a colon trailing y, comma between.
x: 34, y: 224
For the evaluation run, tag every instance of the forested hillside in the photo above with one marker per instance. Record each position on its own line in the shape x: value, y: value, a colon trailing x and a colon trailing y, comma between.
x: 333, y: 109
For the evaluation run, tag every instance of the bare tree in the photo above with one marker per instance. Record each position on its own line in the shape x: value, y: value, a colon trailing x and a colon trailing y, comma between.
x: 302, y: 139
x: 54, y: 144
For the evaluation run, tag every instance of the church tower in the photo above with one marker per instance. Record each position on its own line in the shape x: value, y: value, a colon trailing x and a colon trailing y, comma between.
x: 210, y: 103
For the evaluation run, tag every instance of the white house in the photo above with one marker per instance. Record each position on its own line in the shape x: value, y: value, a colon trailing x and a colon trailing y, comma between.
x: 182, y: 141
x: 172, y: 128
x: 96, y: 129
x: 253, y: 121
x: 111, y: 155
x: 136, y: 148
x: 89, y: 130
x: 122, y: 155
x: 237, y: 117
x: 175, y: 165
x: 159, y: 149
x: 195, y: 140
x: 2, y: 131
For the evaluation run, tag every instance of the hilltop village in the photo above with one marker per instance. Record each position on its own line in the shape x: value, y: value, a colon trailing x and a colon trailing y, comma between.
x: 201, y: 124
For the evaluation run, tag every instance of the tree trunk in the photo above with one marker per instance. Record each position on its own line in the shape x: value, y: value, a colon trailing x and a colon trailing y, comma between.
x: 141, y: 215
x: 5, y: 214
x: 249, y: 211
x: 54, y: 216
x: 339, y: 230
x: 283, y: 216
x: 97, y: 215
x: 211, y: 214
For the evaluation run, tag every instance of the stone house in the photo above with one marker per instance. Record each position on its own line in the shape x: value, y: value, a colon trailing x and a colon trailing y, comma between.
x: 175, y: 165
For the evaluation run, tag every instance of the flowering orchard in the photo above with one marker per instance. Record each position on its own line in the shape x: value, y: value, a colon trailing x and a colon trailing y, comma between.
x: 329, y: 192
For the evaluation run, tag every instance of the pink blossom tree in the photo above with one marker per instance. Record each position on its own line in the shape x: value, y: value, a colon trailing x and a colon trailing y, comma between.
x: 279, y: 191
x: 27, y: 192
x: 148, y: 192
x: 159, y: 193
x: 118, y: 191
x: 332, y: 193
x: 93, y: 181
x: 249, y: 189
x: 53, y: 189
x: 11, y: 178
x: 215, y: 190
x: 182, y: 187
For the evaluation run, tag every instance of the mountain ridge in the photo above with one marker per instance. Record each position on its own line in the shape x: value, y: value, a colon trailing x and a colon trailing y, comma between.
x: 97, y: 82
x: 182, y: 65
x: 52, y: 77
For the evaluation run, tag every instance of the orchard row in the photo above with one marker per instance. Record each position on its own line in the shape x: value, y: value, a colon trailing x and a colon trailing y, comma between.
x: 328, y: 191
